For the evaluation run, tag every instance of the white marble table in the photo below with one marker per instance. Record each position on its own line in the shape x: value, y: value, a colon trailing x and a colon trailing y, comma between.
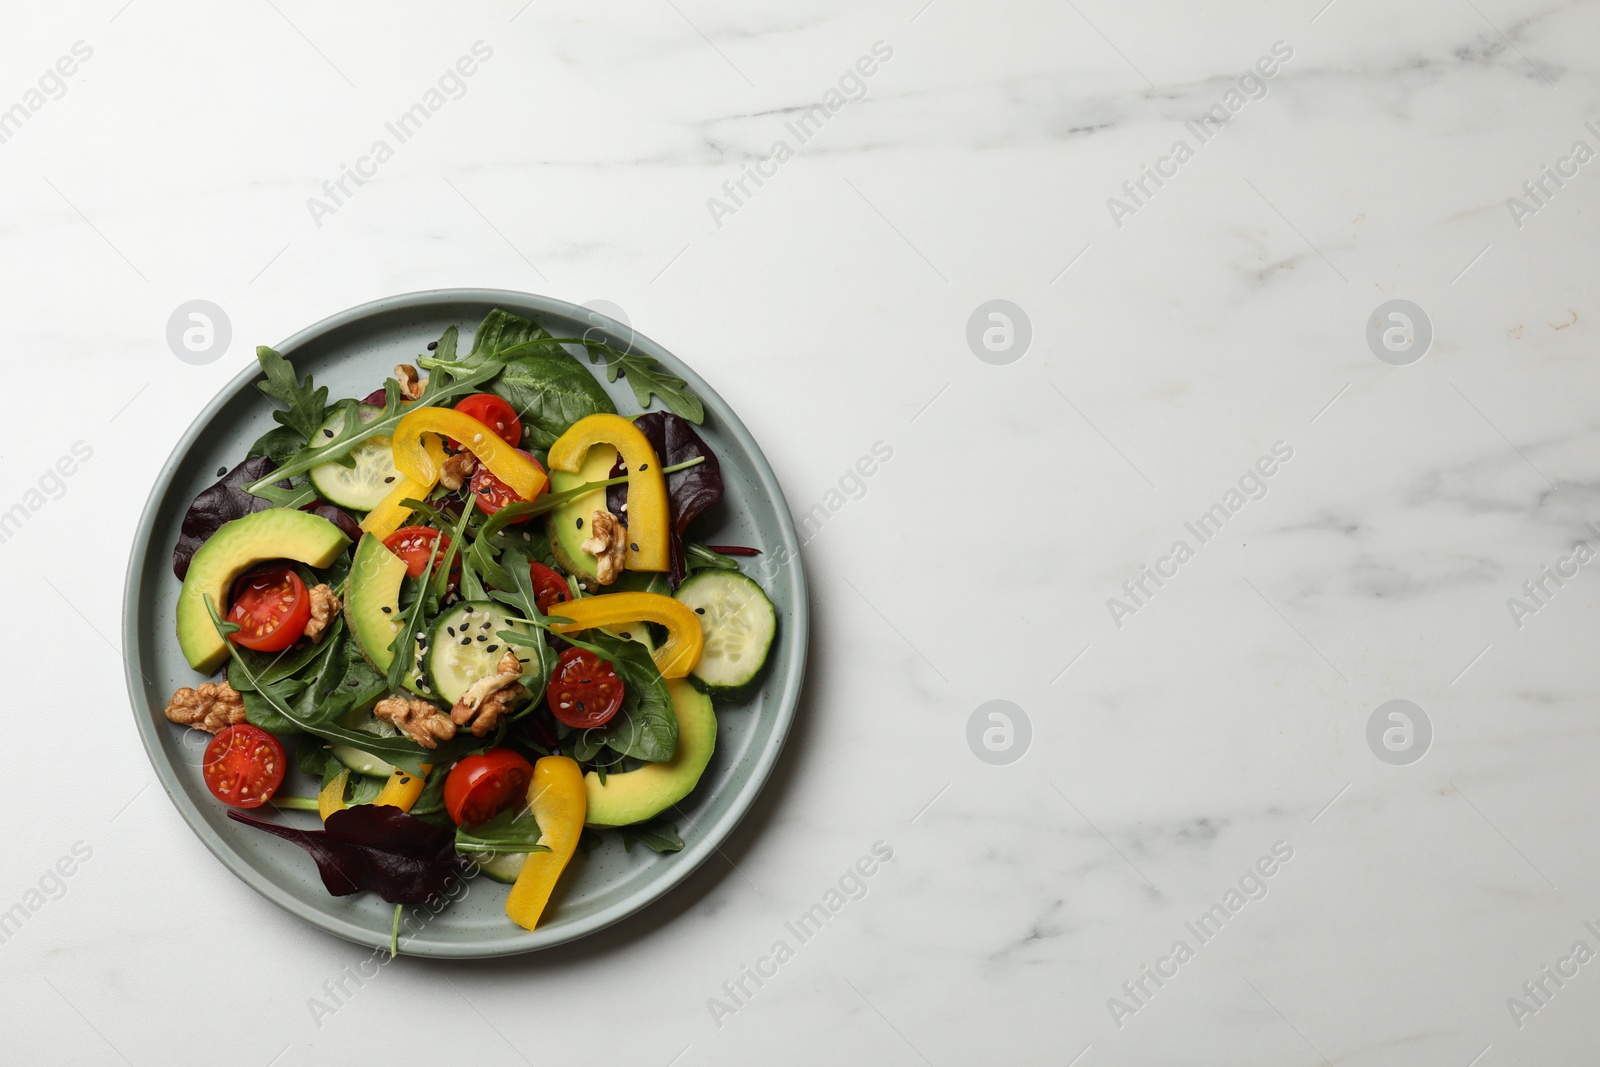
x: 1197, y: 764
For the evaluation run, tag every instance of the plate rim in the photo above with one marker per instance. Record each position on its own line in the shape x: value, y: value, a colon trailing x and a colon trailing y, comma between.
x: 522, y: 941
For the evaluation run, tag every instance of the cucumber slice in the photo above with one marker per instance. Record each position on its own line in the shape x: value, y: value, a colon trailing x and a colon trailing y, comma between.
x: 738, y: 621
x: 464, y: 647
x: 502, y: 867
x: 363, y: 486
x: 362, y: 762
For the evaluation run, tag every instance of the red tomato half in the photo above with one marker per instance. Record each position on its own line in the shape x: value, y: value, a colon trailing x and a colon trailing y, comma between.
x: 243, y: 766
x: 494, y: 413
x: 411, y: 544
x: 479, y: 786
x: 271, y: 608
x: 584, y: 690
x: 492, y: 493
x: 549, y: 588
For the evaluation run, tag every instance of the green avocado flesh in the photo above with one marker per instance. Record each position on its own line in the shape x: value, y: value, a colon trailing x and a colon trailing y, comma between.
x: 276, y: 533
x: 568, y: 524
x: 634, y: 796
x: 372, y: 600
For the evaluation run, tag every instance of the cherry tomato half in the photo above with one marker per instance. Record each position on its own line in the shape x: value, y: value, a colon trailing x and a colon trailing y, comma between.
x: 479, y: 786
x: 494, y: 413
x: 271, y: 608
x: 243, y: 766
x: 584, y: 689
x: 411, y: 544
x: 549, y: 588
x: 492, y: 493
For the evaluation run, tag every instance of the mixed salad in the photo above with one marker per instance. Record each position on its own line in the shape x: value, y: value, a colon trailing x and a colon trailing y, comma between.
x: 471, y: 605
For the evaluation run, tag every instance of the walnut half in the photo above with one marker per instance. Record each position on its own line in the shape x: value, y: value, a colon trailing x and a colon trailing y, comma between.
x: 457, y: 469
x: 209, y: 708
x: 411, y: 386
x: 417, y: 719
x: 608, y: 544
x: 324, y: 606
x: 490, y: 697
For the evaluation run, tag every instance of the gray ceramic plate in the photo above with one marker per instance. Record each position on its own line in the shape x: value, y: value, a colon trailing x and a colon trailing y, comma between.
x: 351, y: 353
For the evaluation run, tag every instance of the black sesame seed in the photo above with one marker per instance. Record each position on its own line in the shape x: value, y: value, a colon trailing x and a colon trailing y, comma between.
x: 626, y: 636
x: 405, y: 781
x: 389, y: 479
x: 353, y: 681
x: 221, y: 471
x: 387, y: 610
x: 580, y: 524
x: 699, y: 611
x: 432, y: 345
x: 644, y: 466
x: 635, y: 547
x: 327, y: 433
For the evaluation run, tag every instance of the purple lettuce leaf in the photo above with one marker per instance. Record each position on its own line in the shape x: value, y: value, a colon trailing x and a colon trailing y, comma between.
x: 398, y: 856
x: 220, y: 504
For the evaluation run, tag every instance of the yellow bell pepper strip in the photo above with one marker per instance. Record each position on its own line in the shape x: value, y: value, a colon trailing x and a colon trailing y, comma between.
x: 403, y: 788
x: 412, y: 459
x: 390, y: 514
x: 686, y: 639
x: 331, y: 799
x: 557, y: 798
x: 648, y: 543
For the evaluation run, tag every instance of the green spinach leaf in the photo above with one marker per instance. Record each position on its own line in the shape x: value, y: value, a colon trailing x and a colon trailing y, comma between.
x: 277, y: 444
x: 513, y: 830
x: 550, y: 391
x: 499, y: 331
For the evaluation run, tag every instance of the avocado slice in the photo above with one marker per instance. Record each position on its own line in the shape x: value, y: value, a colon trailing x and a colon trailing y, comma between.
x: 276, y: 533
x: 372, y: 600
x: 634, y: 796
x: 568, y: 524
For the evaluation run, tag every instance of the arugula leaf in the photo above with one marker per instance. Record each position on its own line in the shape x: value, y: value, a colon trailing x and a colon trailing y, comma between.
x: 305, y: 402
x: 404, y: 644
x: 442, y: 582
x: 289, y: 662
x: 449, y: 381
x: 280, y: 700
x: 279, y: 497
x: 646, y: 376
x: 699, y: 557
x: 654, y: 836
x: 471, y: 585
